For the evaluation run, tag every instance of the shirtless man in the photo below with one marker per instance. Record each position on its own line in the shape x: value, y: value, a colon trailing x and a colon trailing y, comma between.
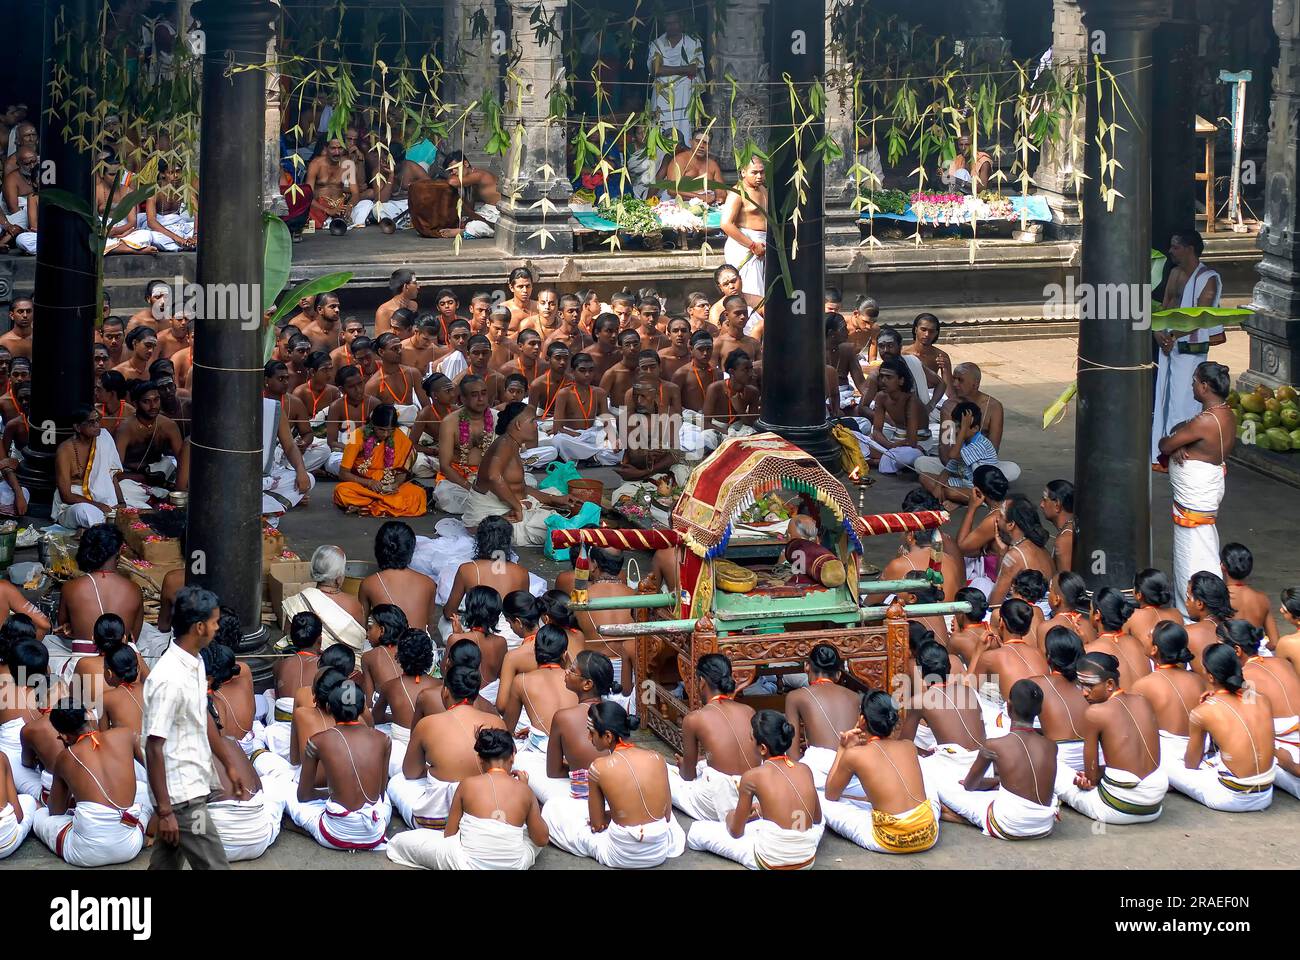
x: 478, y: 626
x: 351, y: 811
x: 1276, y: 681
x: 843, y: 358
x: 913, y: 559
x: 1131, y: 787
x: 676, y: 355
x: 331, y: 197
x: 147, y: 437
x: 441, y: 752
x: 395, y: 382
x: 123, y: 236
x: 964, y: 387
x: 459, y: 463
x: 732, y: 336
x: 123, y: 695
x: 1025, y: 539
x: 395, y: 582
x: 821, y: 711
x: 606, y: 581
x: 1209, y: 608
x: 422, y: 350
x: 405, y: 290
x: 1110, y: 611
x: 652, y: 338
x: 1057, y: 504
x: 668, y: 399
x: 700, y: 172
x: 953, y: 718
x: 521, y: 303
x: 324, y: 332
x: 1018, y: 802
x: 20, y: 195
x: 925, y: 334
x: 604, y: 350
x: 497, y: 330
x: 112, y: 808
x: 717, y: 745
x: 543, y: 691
x: 100, y: 590
x: 627, y: 819
x: 893, y: 813
x: 546, y: 320
x: 1288, y: 648
x: 528, y: 348
x: 863, y: 328
x: 694, y: 378
x: 1155, y: 602
x: 570, y: 331
x: 735, y: 400
x: 169, y: 201
x: 478, y: 351
x: 18, y: 341
x: 1067, y: 595
x: 1009, y: 656
x: 890, y: 344
x: 580, y: 404
x: 618, y: 379
x: 1063, y: 708
x: 141, y: 344
x: 350, y: 412
x: 112, y: 333
x: 897, y: 418
x: 968, y: 628
x: 342, y: 355
x: 1240, y: 722
x: 698, y: 308
x: 178, y: 336
x: 1252, y: 605
x: 1172, y: 689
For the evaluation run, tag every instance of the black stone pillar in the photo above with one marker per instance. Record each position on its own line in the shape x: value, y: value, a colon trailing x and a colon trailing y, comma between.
x: 225, y: 517
x: 1174, y: 155
x: 794, y: 338
x: 66, y: 292
x: 1113, y: 427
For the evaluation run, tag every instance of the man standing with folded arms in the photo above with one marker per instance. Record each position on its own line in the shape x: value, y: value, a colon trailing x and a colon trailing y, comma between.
x: 178, y: 757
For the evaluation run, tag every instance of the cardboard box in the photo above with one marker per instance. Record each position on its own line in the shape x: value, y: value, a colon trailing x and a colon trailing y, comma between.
x: 272, y: 545
x: 286, y: 578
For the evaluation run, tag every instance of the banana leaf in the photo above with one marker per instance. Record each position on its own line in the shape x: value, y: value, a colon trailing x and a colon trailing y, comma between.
x: 130, y: 202
x: 309, y: 288
x: 1184, y: 319
x: 277, y: 258
x: 1057, y: 409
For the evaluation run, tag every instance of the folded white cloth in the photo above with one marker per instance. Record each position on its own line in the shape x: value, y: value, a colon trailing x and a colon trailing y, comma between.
x: 763, y: 845
x: 479, y: 844
x: 639, y: 847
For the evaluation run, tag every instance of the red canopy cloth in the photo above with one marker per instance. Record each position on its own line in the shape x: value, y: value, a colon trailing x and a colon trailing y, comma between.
x: 616, y: 539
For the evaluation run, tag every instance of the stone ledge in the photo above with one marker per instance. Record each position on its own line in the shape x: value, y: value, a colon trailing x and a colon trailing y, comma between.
x: 1276, y: 466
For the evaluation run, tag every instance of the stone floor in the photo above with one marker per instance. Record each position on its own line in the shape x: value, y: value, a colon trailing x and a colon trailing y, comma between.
x: 1026, y: 376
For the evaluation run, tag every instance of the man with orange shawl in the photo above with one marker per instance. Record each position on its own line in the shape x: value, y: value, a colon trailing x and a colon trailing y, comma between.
x: 375, y: 470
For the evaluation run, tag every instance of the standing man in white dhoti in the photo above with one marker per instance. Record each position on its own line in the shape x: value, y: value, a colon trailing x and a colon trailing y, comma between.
x: 744, y: 221
x: 1191, y: 284
x: 676, y: 63
x: 1198, y: 450
x: 283, y: 487
x: 86, y: 470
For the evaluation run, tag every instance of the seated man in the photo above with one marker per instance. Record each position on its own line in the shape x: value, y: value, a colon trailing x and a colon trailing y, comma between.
x: 821, y: 711
x: 562, y: 771
x: 893, y: 814
x: 695, y: 173
x: 500, y: 489
x: 954, y: 722
x: 582, y: 417
x: 464, y: 435
x: 1002, y: 659
x: 87, y: 474
x: 165, y: 212
x: 375, y: 469
x: 99, y: 590
x: 291, y: 674
x: 395, y: 581
x: 95, y: 778
x: 494, y: 823
x: 1018, y: 802
x: 394, y: 709
x: 1239, y: 721
x: 441, y: 753
x: 149, y: 443
x: 1172, y: 689
x: 346, y: 415
x: 479, y: 195
x: 331, y: 193
x: 717, y: 745
x: 897, y: 419
x: 789, y: 827
x: 17, y: 814
x: 340, y: 612
x: 1131, y: 787
x: 352, y: 811
x: 638, y: 829
x: 1251, y: 604
x: 1271, y: 680
x: 286, y: 481
x: 731, y: 406
x: 21, y: 202
x: 1064, y: 707
x: 538, y: 694
x: 966, y: 389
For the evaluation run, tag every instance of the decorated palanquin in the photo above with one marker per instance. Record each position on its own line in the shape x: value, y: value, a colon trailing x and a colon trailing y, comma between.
x: 762, y: 618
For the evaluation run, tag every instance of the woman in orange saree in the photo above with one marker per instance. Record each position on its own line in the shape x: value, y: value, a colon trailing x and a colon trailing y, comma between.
x: 375, y: 471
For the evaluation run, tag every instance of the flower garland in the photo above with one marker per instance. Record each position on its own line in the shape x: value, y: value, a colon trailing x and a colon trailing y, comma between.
x: 464, y: 429
x: 368, y: 450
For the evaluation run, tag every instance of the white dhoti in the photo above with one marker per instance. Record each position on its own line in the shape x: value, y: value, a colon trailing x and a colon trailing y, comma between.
x: 247, y: 827
x: 134, y: 240
x: 763, y: 845
x: 7, y: 500
x: 424, y: 802
x: 1214, y: 785
x: 95, y: 835
x: 892, y: 459
x: 384, y: 209
x: 179, y: 223
x: 400, y: 737
x: 819, y: 760
x: 1173, y: 751
x: 1287, y: 737
x: 1001, y: 813
x: 752, y: 276
x: 1198, y: 490
x: 946, y: 767
x: 478, y: 844
x: 1120, y: 798
x: 639, y: 847
x: 26, y: 779
x: 334, y: 826
x: 712, y: 795
x: 1070, y: 753
x: 529, y: 532
x: 339, y: 626
x: 280, y: 489
x: 593, y: 442
x: 12, y: 830
x: 547, y: 788
x: 279, y: 726
x: 153, y: 643
x: 97, y: 484
x: 915, y: 831
x: 934, y: 466
x: 450, y: 497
